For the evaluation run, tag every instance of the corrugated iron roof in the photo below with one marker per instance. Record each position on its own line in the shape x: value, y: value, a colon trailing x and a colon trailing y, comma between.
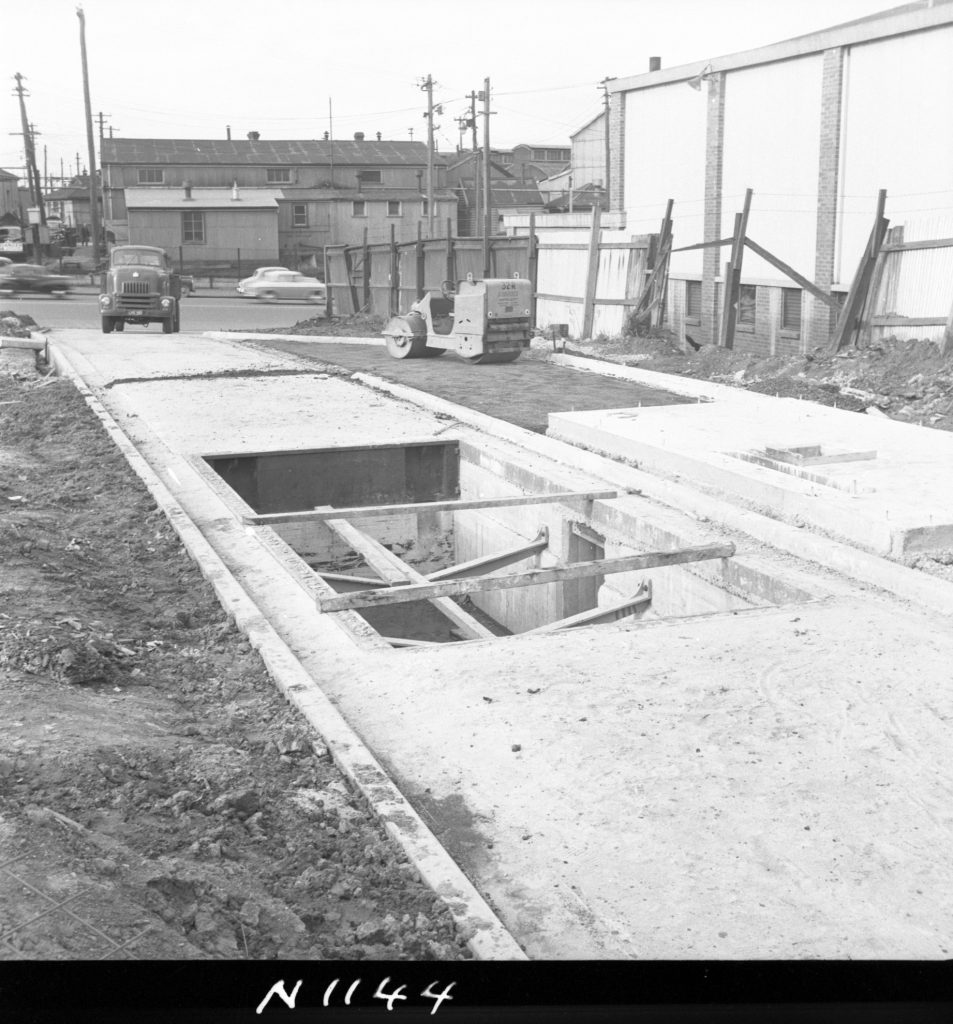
x: 263, y: 152
x: 202, y: 198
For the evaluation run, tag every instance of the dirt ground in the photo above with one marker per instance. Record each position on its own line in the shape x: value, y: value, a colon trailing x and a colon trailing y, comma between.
x: 158, y: 797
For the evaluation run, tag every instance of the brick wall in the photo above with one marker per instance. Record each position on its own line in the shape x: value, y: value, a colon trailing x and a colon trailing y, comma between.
x: 714, y: 157
x: 822, y: 320
x: 617, y: 152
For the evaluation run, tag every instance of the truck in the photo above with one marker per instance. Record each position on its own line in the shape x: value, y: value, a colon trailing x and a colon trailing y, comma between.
x: 140, y: 286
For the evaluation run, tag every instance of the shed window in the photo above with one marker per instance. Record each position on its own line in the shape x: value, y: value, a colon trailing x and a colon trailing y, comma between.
x: 370, y: 177
x: 747, y: 297
x: 150, y: 176
x: 360, y: 208
x: 693, y: 300
x: 299, y: 215
x: 393, y: 207
x: 279, y: 175
x: 193, y: 227
x: 791, y: 309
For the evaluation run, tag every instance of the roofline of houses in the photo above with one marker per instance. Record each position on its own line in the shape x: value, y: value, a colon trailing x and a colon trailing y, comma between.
x: 925, y: 14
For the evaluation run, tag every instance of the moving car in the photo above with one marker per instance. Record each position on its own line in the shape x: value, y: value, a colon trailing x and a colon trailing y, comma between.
x: 272, y: 283
x: 29, y: 277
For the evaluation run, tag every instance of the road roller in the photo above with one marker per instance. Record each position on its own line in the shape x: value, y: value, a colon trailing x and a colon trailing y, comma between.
x: 486, y: 321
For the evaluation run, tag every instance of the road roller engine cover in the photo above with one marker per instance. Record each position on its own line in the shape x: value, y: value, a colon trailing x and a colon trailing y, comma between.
x: 484, y: 321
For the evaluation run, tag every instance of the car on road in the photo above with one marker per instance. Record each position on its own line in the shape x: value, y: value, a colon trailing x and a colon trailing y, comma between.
x: 269, y: 284
x: 29, y: 277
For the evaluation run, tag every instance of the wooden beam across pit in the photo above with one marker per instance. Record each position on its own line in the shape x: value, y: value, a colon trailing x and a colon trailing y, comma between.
x: 527, y: 578
x: 459, y: 505
x: 394, y: 570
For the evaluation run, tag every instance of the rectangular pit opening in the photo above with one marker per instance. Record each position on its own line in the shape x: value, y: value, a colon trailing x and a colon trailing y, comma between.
x: 375, y: 520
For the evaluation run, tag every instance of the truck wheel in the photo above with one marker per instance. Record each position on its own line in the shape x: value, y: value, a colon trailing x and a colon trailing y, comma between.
x: 108, y: 325
x: 120, y: 325
x: 175, y: 323
x: 167, y: 325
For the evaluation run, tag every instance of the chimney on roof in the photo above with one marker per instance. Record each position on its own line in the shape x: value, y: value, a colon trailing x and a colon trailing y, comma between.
x: 228, y: 132
x: 327, y: 135
x: 187, y: 185
x: 655, y: 63
x: 358, y: 136
x: 378, y: 136
x: 235, y: 196
x: 254, y: 136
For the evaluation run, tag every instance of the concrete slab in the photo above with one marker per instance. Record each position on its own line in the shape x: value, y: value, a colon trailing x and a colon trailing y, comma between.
x: 896, y: 503
x: 755, y: 783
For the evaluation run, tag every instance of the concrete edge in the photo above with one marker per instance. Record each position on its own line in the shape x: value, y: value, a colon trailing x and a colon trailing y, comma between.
x: 928, y: 592
x: 317, y: 339
x: 485, y: 934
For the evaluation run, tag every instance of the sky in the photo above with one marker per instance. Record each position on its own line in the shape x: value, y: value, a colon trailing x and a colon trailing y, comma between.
x: 292, y: 69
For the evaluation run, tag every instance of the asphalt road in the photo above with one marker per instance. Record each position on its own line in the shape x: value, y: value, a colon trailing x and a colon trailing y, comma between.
x: 199, y: 312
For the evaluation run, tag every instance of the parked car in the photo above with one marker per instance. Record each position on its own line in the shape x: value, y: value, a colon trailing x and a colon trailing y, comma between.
x: 28, y: 277
x: 4, y: 262
x: 272, y: 283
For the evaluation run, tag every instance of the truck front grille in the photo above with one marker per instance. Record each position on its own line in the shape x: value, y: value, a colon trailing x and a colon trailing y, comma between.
x: 136, y: 301
x: 135, y: 287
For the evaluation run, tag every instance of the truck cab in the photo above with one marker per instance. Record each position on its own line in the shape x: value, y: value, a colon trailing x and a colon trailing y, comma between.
x: 140, y: 287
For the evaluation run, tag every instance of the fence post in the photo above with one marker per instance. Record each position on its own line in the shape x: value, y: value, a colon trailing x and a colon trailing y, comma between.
x: 238, y: 263
x: 328, y: 290
x: 592, y: 275
x: 451, y: 260
x: 532, y: 256
x: 180, y: 259
x: 366, y: 279
x: 394, y: 301
x: 419, y: 252
x: 732, y: 285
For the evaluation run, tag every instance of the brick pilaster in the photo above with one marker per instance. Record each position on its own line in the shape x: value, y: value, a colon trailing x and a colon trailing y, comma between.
x: 616, y: 130
x: 823, y: 318
x: 714, y: 160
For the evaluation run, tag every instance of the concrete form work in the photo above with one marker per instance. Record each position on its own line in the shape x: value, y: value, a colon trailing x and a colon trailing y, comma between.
x: 749, y: 766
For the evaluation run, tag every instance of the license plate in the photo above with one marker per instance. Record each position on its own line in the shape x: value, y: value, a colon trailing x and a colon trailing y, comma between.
x: 137, y: 312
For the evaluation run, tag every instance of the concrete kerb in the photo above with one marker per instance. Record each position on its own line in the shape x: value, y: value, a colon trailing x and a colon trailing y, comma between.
x: 930, y: 593
x: 311, y: 339
x: 485, y: 935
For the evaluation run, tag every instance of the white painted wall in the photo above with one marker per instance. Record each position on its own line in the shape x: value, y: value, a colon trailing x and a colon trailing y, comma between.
x: 665, y: 159
x: 589, y: 154
x: 772, y: 138
x: 898, y: 135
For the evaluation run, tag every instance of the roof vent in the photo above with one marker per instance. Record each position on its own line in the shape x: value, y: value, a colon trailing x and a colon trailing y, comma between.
x: 655, y: 63
x: 254, y: 136
x: 358, y: 136
x: 187, y: 185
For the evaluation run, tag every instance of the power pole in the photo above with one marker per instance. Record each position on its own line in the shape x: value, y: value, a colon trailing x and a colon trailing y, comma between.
x: 605, y: 102
x: 427, y: 86
x: 93, y: 190
x: 487, y: 196
x: 33, y: 175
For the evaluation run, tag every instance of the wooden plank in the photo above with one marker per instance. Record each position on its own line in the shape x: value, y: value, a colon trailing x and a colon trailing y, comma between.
x: 705, y: 245
x: 857, y: 296
x: 559, y: 298
x: 592, y: 275
x: 732, y: 285
x: 800, y: 279
x: 527, y: 578
x: 550, y: 246
x: 636, y: 604
x: 396, y: 570
x: 369, y: 511
x: 490, y: 563
x: 533, y: 261
x: 909, y: 321
x: 933, y: 243
x: 947, y: 343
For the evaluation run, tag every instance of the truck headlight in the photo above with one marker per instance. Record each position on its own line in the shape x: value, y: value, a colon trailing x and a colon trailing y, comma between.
x: 165, y: 302
x: 105, y: 301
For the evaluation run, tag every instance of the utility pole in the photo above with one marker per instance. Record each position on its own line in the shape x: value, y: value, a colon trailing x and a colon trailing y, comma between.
x: 487, y: 197
x: 33, y: 175
x: 93, y: 190
x: 427, y: 86
x: 605, y: 102
x: 472, y: 123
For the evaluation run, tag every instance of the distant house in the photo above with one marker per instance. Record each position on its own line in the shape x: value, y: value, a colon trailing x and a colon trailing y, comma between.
x: 206, y: 225
x: 324, y: 192
x: 509, y: 192
x: 71, y: 203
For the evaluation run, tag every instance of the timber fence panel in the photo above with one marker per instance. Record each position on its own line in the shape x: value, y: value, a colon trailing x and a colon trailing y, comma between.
x: 338, y: 282
x: 379, y: 257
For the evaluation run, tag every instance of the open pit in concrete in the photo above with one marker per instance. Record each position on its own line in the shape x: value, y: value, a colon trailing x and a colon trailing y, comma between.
x: 515, y: 532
